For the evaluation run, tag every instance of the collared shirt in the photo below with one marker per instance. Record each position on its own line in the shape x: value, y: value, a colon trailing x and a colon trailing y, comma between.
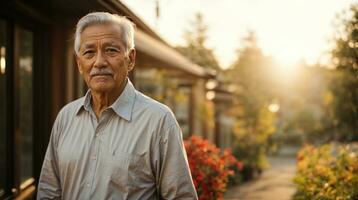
x: 133, y: 151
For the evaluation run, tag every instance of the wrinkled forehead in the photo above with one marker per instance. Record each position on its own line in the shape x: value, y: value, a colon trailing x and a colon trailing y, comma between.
x: 102, y: 29
x: 107, y: 32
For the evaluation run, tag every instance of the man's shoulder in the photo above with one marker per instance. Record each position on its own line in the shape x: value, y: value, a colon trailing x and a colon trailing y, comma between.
x: 72, y: 107
x: 155, y: 112
x: 152, y: 106
x: 67, y: 114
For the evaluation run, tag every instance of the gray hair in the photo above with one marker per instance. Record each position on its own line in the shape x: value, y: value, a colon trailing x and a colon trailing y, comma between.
x: 127, y: 27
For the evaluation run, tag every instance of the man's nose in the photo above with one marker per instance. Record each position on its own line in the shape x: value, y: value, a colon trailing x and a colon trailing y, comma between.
x: 100, y: 60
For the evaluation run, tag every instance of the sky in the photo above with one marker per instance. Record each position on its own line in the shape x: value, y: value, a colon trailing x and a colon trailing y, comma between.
x: 288, y: 30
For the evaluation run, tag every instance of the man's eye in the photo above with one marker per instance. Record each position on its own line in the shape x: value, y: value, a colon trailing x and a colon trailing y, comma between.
x: 112, y: 50
x: 88, y: 52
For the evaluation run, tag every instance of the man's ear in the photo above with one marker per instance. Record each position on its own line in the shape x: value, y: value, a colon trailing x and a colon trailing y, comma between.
x: 131, y: 56
x: 79, y: 65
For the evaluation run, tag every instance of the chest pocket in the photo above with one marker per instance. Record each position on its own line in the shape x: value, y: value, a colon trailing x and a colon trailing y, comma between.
x: 123, y: 170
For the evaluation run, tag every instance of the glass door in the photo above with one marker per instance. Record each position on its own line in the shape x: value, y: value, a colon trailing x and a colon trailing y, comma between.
x: 24, y: 46
x: 16, y: 109
x: 3, y: 98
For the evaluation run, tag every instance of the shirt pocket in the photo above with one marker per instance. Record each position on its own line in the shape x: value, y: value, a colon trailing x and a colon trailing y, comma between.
x: 123, y: 169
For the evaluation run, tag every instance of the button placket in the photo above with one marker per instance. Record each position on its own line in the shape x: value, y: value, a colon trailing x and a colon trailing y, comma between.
x: 93, y: 158
x: 102, y: 122
x: 98, y: 129
x: 93, y: 162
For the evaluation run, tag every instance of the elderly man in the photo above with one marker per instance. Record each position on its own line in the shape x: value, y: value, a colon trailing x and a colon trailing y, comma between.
x: 115, y: 142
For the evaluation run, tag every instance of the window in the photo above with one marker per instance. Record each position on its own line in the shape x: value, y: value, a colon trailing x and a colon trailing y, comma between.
x: 20, y: 158
x: 2, y: 106
x: 25, y: 104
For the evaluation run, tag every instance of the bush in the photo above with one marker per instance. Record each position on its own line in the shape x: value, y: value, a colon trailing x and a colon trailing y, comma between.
x: 327, y: 173
x: 209, y: 167
x: 253, y: 157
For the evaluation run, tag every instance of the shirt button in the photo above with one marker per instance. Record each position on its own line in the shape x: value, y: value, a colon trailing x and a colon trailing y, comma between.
x: 94, y: 157
x: 88, y: 185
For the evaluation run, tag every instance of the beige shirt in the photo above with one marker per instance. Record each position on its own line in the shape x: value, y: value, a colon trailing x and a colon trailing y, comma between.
x: 134, y: 151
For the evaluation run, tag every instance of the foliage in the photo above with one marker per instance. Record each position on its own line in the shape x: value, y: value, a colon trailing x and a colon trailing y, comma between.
x: 209, y: 168
x: 305, y: 113
x: 344, y: 86
x: 156, y: 84
x: 327, y: 173
x: 254, y: 123
x: 206, y: 113
x: 323, y: 103
x: 195, y: 48
x: 252, y: 144
x: 197, y: 51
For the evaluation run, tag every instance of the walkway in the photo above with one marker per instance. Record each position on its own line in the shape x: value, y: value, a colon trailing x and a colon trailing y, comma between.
x: 274, y: 183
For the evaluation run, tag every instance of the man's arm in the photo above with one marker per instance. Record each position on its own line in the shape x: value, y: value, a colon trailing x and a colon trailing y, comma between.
x: 49, y: 184
x: 175, y: 181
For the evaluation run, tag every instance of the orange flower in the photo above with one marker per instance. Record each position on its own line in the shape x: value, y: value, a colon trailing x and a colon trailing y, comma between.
x: 209, y: 167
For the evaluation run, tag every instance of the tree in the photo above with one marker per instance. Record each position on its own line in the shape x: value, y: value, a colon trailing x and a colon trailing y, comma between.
x: 250, y: 73
x: 254, y: 122
x: 195, y: 48
x: 344, y: 86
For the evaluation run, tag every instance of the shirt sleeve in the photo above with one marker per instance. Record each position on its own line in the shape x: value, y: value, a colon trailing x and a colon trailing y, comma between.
x: 49, y: 183
x: 175, y: 181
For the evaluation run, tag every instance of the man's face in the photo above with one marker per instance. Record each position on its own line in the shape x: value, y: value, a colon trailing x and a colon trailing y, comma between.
x: 102, y: 60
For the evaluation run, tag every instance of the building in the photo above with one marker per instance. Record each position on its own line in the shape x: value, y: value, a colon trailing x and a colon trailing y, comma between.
x: 38, y: 75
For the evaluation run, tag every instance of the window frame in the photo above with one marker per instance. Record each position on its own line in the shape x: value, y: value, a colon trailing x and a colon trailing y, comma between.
x: 13, y: 186
x: 19, y: 185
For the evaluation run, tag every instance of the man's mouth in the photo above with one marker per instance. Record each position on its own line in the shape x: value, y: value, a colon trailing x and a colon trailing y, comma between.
x: 101, y: 75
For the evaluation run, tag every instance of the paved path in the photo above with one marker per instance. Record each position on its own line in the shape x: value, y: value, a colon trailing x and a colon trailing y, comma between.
x: 275, y: 182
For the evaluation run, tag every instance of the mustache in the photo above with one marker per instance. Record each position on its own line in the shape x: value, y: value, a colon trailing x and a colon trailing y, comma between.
x: 101, y: 71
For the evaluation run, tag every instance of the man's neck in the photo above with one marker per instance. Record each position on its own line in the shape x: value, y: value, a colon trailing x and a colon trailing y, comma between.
x: 102, y: 100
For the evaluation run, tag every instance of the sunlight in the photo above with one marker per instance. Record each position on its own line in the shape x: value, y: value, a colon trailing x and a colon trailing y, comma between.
x: 211, y: 84
x: 289, y: 38
x: 286, y: 58
x: 291, y: 58
x: 286, y: 64
x: 274, y: 107
x: 210, y: 95
x: 2, y: 60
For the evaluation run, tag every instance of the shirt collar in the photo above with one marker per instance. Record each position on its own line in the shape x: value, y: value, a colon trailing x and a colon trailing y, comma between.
x: 85, y: 103
x: 123, y: 106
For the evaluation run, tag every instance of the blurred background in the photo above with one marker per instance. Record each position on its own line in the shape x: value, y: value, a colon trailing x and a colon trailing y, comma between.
x: 274, y: 81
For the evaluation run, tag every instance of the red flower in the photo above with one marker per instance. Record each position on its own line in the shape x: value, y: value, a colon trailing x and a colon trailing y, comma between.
x: 239, y: 165
x: 209, y: 167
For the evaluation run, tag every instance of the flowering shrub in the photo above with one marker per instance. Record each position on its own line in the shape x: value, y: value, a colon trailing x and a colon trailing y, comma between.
x: 210, y: 169
x: 253, y: 156
x: 327, y: 173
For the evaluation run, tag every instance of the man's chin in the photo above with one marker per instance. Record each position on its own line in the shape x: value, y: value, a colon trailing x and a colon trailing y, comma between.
x: 101, y: 88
